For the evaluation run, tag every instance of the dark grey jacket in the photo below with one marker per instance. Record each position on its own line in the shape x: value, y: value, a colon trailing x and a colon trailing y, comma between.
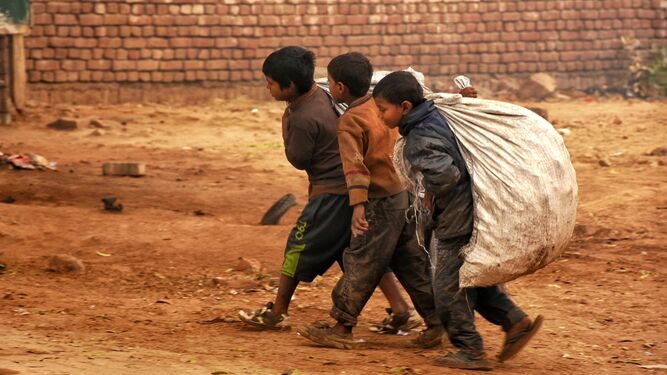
x: 431, y: 148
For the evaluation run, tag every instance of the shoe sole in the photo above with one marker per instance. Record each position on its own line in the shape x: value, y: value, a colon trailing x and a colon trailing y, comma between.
x: 463, y: 366
x: 324, y: 341
x: 535, y: 327
x: 262, y: 326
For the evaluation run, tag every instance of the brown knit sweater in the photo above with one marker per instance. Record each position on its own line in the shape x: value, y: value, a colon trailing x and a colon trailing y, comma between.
x: 366, y: 149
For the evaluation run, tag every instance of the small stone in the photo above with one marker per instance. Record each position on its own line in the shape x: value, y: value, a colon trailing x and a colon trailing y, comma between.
x: 659, y: 151
x: 100, y: 124
x: 248, y: 265
x: 8, y: 199
x: 64, y: 124
x: 617, y: 120
x: 63, y: 263
x: 96, y: 133
x: 604, y: 163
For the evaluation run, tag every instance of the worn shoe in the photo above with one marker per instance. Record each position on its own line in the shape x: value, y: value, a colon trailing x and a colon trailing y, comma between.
x: 397, y: 322
x: 462, y: 361
x: 429, y: 338
x: 518, y: 336
x: 323, y: 334
x: 265, y: 319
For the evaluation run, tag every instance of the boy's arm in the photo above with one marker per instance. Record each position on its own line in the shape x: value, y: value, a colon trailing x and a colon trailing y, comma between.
x: 430, y: 154
x: 351, y: 145
x: 299, y: 143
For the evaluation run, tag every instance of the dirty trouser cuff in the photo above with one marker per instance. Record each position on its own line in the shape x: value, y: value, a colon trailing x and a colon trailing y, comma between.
x: 342, y: 317
x: 514, y: 317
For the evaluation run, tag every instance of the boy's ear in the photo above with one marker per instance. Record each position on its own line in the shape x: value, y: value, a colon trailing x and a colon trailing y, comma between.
x: 341, y: 87
x: 406, y: 107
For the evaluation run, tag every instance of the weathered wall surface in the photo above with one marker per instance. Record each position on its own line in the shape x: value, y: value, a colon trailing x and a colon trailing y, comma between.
x: 135, y: 44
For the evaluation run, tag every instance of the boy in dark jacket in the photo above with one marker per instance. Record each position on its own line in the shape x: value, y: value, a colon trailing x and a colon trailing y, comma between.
x: 381, y: 235
x: 323, y: 229
x: 431, y: 149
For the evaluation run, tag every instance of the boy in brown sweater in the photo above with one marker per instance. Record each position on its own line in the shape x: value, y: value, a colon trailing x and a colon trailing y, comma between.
x: 381, y: 235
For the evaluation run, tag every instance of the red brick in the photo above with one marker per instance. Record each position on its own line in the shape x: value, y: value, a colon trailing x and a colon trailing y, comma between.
x: 98, y: 64
x: 148, y: 65
x: 124, y: 65
x: 47, y: 65
x: 73, y: 65
x: 65, y: 19
x: 131, y: 43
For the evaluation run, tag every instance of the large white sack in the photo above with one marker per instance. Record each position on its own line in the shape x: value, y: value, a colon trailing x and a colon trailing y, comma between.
x: 524, y: 188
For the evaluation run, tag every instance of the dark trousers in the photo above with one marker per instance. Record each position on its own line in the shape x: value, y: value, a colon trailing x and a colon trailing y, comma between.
x: 389, y: 242
x: 456, y: 307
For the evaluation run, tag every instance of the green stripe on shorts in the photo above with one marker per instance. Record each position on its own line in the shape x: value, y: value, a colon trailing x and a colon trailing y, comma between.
x: 292, y: 259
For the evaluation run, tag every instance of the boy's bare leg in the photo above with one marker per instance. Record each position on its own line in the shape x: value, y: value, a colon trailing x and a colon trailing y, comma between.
x: 390, y: 289
x: 286, y: 288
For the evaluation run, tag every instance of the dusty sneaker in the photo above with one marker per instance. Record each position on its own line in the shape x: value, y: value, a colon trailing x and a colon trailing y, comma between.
x: 462, y: 361
x: 397, y: 322
x: 518, y: 336
x: 429, y: 338
x: 265, y: 319
x: 323, y: 334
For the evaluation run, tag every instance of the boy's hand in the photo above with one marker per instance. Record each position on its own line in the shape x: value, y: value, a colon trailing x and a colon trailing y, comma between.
x: 359, y: 222
x: 469, y: 92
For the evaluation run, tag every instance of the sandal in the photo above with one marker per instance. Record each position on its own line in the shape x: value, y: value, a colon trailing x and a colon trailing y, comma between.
x: 397, y: 322
x: 265, y: 319
x: 514, y: 343
x: 321, y: 333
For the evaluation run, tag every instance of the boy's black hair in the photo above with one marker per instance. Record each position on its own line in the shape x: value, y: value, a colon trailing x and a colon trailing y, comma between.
x: 291, y: 64
x: 398, y: 87
x: 353, y: 70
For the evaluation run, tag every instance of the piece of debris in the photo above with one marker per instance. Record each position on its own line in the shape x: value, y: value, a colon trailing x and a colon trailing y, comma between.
x: 248, y: 265
x: 538, y: 87
x: 282, y: 205
x: 8, y: 199
x: 29, y: 161
x: 617, y: 120
x: 99, y: 124
x: 63, y: 263
x: 111, y: 205
x: 564, y: 131
x: 654, y: 367
x: 3, y: 268
x: 96, y: 133
x: 200, y: 213
x: 64, y: 124
x: 124, y: 169
x: 659, y: 151
x: 604, y: 163
x: 540, y: 111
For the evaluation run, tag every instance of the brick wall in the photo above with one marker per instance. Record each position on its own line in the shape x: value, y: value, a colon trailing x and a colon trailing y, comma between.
x: 223, y: 42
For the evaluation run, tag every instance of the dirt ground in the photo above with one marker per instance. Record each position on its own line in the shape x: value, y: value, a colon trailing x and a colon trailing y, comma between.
x: 156, y: 272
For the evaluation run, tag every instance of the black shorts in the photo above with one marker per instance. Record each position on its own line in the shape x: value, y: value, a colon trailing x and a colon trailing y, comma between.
x: 319, y: 237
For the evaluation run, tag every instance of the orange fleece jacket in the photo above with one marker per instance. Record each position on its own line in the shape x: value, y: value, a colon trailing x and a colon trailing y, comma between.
x: 366, y: 148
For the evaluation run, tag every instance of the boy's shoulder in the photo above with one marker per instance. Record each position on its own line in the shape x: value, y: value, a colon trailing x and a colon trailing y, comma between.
x: 315, y: 109
x: 363, y: 111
